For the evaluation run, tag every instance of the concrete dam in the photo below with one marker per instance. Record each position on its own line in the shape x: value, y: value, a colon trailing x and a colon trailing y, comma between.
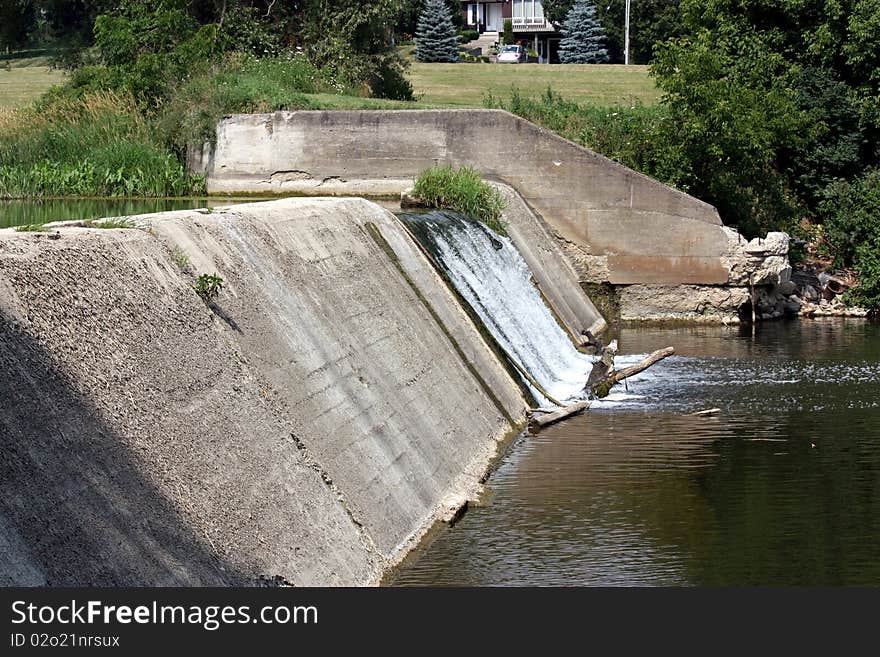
x: 306, y: 427
x: 349, y: 386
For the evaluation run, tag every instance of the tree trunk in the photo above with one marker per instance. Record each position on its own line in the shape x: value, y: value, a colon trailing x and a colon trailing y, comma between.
x: 602, y: 388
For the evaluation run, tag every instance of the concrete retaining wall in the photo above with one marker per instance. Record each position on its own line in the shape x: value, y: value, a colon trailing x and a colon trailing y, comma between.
x: 307, y: 427
x: 625, y: 227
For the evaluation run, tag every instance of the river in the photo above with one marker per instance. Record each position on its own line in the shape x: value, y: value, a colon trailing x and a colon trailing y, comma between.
x: 781, y: 488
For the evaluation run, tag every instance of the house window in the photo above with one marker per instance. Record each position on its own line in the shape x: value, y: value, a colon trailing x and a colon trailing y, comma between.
x: 528, y: 9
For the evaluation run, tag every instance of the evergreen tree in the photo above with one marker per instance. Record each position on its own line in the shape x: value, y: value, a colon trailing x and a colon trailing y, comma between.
x: 583, y: 36
x: 436, y: 40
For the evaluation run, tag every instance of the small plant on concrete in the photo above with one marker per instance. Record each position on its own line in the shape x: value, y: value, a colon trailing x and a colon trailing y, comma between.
x: 463, y: 190
x: 208, y: 286
x: 436, y: 40
x: 583, y: 36
x: 30, y: 228
x: 179, y: 257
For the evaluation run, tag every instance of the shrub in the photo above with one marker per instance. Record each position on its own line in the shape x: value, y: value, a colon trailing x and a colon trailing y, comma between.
x: 466, y: 36
x: 851, y: 215
x: 507, y: 32
x: 631, y: 135
x: 462, y: 190
x: 239, y: 84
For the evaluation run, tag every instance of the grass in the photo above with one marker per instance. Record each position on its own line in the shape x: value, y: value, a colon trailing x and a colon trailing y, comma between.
x: 629, y: 134
x: 96, y: 145
x: 465, y: 85
x: 462, y: 190
x: 24, y: 80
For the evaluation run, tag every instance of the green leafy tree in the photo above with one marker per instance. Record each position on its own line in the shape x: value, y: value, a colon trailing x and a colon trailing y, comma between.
x: 436, y: 40
x: 350, y: 40
x: 583, y: 36
x: 18, y: 19
x: 851, y: 213
x: 770, y: 101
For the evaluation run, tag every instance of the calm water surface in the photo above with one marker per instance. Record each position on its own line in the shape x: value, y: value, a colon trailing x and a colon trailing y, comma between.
x: 22, y: 212
x: 783, y: 487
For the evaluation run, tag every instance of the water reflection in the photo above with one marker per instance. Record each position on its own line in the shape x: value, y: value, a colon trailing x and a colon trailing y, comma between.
x: 782, y: 488
x: 40, y: 211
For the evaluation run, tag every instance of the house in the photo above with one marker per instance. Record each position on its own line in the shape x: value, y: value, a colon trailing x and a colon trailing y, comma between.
x: 530, y: 27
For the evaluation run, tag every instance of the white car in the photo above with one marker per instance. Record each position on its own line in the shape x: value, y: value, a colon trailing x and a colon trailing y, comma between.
x: 511, y: 55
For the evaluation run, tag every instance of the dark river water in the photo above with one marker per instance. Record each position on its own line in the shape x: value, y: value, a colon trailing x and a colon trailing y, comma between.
x: 781, y: 488
x: 23, y: 212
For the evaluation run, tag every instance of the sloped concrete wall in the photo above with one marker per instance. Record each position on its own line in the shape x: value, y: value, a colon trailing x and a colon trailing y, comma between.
x: 551, y: 271
x: 307, y: 427
x: 624, y: 227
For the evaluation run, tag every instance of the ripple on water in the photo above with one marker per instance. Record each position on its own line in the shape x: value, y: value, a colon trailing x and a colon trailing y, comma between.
x: 782, y: 487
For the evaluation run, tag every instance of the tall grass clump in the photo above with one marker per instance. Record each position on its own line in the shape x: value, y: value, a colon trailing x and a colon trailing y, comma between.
x: 97, y: 144
x: 462, y: 190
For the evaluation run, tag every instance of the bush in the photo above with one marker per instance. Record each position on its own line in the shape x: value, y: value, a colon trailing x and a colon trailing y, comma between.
x: 240, y: 84
x: 507, y: 32
x: 466, y: 36
x: 462, y: 190
x: 851, y: 215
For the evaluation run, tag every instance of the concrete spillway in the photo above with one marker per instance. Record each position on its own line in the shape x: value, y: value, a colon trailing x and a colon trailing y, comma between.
x: 495, y: 281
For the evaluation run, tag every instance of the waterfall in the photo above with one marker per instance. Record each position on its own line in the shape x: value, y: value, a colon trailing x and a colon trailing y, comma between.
x: 492, y: 277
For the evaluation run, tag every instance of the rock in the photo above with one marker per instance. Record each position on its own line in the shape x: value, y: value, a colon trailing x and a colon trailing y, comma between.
x: 682, y: 302
x: 775, y: 244
x: 792, y: 307
x: 810, y: 293
x: 758, y: 262
x: 409, y: 201
x: 786, y: 288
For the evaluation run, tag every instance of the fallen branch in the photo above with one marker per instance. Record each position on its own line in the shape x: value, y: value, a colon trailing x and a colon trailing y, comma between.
x: 602, y: 388
x: 708, y: 411
x: 561, y: 414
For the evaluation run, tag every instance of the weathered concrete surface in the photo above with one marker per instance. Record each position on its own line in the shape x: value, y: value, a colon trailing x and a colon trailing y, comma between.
x: 644, y: 231
x: 693, y: 303
x: 309, y: 427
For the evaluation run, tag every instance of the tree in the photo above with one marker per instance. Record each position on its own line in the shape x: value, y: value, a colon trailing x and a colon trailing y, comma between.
x: 436, y: 40
x: 651, y: 22
x: 583, y: 36
x: 507, y: 35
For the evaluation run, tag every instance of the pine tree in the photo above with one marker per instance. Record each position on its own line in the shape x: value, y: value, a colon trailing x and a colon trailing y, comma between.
x: 436, y: 40
x: 583, y: 36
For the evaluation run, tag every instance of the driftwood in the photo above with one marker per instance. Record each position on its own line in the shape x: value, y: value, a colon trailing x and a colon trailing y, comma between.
x: 601, y: 388
x: 708, y: 411
x: 564, y: 412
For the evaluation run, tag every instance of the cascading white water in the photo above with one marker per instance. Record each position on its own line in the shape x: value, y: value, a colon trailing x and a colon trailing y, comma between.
x: 491, y: 275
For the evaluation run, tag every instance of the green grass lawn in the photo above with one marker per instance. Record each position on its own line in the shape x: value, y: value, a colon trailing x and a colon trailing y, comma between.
x: 24, y: 80
x: 464, y: 85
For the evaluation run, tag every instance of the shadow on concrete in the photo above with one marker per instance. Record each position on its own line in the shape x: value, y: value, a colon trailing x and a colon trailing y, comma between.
x: 75, y: 508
